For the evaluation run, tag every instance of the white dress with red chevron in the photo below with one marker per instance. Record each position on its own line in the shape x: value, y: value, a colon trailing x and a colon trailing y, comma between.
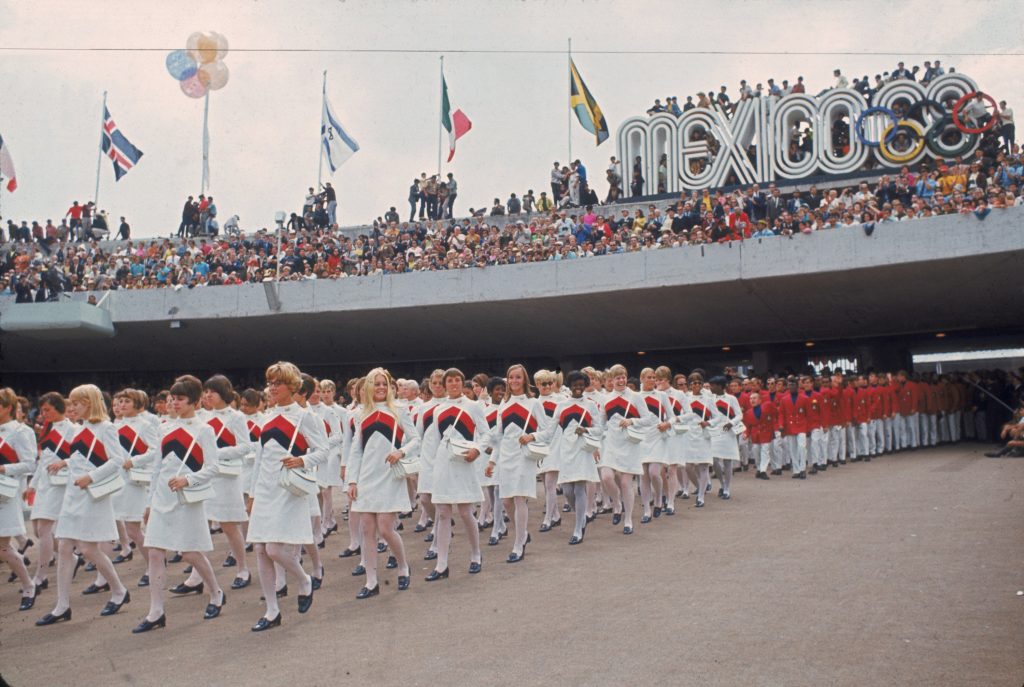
x: 424, y: 484
x: 697, y: 440
x: 676, y: 446
x: 55, y: 445
x: 379, y: 432
x: 575, y: 461
x: 490, y: 412
x: 278, y: 516
x: 515, y: 467
x: 455, y: 480
x: 655, y: 446
x: 549, y: 404
x: 174, y: 526
x: 724, y: 443
x: 95, y: 451
x: 232, y: 434
x: 617, y: 451
x: 252, y: 423
x: 140, y: 442
x: 18, y: 456
x: 329, y: 474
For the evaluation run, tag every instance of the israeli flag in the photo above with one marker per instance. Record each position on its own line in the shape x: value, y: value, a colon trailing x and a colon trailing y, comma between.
x: 337, y: 144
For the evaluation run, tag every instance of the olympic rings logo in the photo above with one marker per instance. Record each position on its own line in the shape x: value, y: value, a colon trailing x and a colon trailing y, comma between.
x: 913, y: 132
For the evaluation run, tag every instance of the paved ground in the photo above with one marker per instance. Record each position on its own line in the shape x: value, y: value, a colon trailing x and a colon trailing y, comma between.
x: 904, y: 571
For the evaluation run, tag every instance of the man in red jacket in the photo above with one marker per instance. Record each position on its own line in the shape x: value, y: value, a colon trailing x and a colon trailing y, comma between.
x: 793, y: 409
x: 815, y: 424
x: 837, y: 432
x: 933, y: 408
x: 862, y: 419
x: 846, y: 406
x: 780, y: 457
x: 891, y: 420
x: 761, y: 422
x: 908, y: 400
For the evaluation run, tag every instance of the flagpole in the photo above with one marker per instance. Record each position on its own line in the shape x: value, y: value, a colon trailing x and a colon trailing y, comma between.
x: 99, y: 153
x: 440, y: 119
x: 206, y: 144
x: 320, y: 164
x: 568, y: 129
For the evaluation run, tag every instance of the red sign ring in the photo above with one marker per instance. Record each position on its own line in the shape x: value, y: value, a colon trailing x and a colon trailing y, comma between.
x: 978, y: 130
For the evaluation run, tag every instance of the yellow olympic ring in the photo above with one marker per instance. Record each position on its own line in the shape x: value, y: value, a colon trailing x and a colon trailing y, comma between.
x: 910, y: 154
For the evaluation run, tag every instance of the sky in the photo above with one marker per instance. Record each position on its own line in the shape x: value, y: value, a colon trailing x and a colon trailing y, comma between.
x: 264, y: 124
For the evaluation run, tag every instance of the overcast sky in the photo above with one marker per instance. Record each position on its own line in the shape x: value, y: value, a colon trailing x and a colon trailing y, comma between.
x: 264, y: 124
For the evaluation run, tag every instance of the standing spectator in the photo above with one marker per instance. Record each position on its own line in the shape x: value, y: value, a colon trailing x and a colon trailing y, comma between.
x: 1007, y: 129
x: 514, y: 205
x: 332, y: 203
x: 431, y: 196
x: 308, y: 203
x: 186, y: 217
x: 414, y: 196
x: 210, y: 222
x: 688, y: 105
x: 799, y: 87
x: 124, y: 231
x: 529, y: 202
x: 556, y: 183
x: 901, y: 72
x: 75, y: 213
x: 498, y: 208
x: 87, y: 210
x: 453, y: 192
x: 841, y: 81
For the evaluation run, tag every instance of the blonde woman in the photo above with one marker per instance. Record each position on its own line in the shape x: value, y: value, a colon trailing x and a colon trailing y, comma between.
x: 85, y: 522
x: 620, y: 456
x: 654, y: 450
x: 384, y: 436
x: 520, y: 418
x: 189, y: 460
x: 549, y: 386
x: 329, y: 476
x: 459, y: 432
x: 17, y: 460
x: 279, y: 522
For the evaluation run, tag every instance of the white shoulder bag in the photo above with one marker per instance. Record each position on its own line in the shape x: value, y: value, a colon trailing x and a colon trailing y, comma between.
x: 298, y: 481
x: 138, y: 476
x: 634, y: 434
x: 404, y: 467
x: 196, y: 494
x: 458, y: 447
x: 229, y: 467
x: 104, y: 488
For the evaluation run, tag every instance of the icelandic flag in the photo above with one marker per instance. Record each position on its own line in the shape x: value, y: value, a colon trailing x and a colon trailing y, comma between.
x: 7, y: 166
x: 120, y: 151
x: 338, y: 145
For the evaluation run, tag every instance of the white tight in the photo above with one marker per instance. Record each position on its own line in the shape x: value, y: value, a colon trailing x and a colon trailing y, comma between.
x: 158, y: 577
x: 385, y: 523
x: 520, y: 520
x: 551, y: 497
x: 66, y: 570
x: 444, y: 532
x: 655, y: 486
x: 287, y: 556
x: 236, y: 540
x: 619, y: 486
x: 44, y: 533
x: 10, y: 555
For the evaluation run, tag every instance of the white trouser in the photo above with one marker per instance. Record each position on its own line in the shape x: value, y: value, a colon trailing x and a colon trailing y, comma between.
x: 953, y: 420
x: 837, y: 443
x: 745, y: 453
x: 796, y: 449
x: 778, y: 452
x: 761, y: 455
x: 877, y: 432
x: 913, y: 424
x: 890, y: 431
x: 933, y: 429
x: 851, y: 440
x: 818, y: 446
x: 864, y: 447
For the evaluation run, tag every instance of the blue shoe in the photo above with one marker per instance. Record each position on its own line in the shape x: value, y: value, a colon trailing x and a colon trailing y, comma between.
x: 264, y: 624
x: 403, y: 582
x: 475, y: 567
x: 213, y: 610
x: 435, y: 575
x: 358, y: 570
x: 430, y: 556
x: 616, y: 518
x: 392, y: 563
x: 627, y: 530
x: 365, y: 593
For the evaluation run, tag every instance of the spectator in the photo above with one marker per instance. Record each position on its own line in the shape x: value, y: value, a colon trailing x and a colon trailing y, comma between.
x: 514, y: 205
x: 124, y: 231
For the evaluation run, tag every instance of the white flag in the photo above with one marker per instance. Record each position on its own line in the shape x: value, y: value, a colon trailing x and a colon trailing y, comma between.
x: 338, y: 145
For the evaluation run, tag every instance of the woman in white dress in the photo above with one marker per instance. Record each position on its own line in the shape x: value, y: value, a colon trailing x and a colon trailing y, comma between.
x: 676, y: 443
x: 654, y: 450
x: 575, y: 418
x: 520, y: 417
x: 459, y: 432
x: 549, y: 397
x: 698, y: 412
x: 54, y: 450
x: 95, y: 456
x: 424, y: 487
x: 491, y: 513
x: 329, y: 476
x: 724, y: 444
x: 620, y: 455
x: 139, y: 438
x: 188, y: 463
x: 291, y: 438
x: 384, y: 437
x: 251, y: 403
x: 17, y: 460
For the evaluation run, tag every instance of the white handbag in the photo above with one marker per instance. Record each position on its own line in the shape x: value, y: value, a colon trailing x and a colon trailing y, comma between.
x: 591, y: 441
x: 230, y: 467
x: 140, y: 477
x: 538, y: 451
x: 8, y: 487
x: 405, y: 467
x: 59, y: 478
x: 738, y: 427
x: 298, y: 481
x: 107, y: 487
x: 635, y: 435
x: 195, y: 494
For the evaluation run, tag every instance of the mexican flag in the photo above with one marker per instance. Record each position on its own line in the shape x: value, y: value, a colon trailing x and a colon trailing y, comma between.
x: 455, y: 123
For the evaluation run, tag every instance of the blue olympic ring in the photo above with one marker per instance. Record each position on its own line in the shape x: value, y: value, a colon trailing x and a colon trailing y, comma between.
x: 873, y: 110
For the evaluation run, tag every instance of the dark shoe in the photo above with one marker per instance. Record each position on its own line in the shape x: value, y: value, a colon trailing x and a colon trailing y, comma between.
x: 239, y: 583
x: 176, y: 558
x: 248, y: 548
x: 556, y: 523
x: 305, y: 601
x: 430, y: 556
x: 282, y: 592
x: 657, y: 512
x: 348, y: 553
x: 435, y: 575
x: 213, y: 610
x: 187, y: 570
x: 419, y: 528
x: 777, y: 472
x: 429, y: 538
x: 574, y: 540
x: 120, y: 558
x: 544, y: 527
x: 700, y: 503
x: 317, y: 581
x: 358, y: 570
x: 147, y: 625
x: 516, y: 557
x: 475, y: 567
x: 229, y: 562
x: 90, y: 567
x: 627, y: 530
x: 644, y: 519
x: 726, y: 496
x: 616, y: 518
x: 93, y: 589
x: 670, y: 511
x: 493, y: 541
x: 803, y: 475
x: 365, y: 593
x: 403, y: 582
x: 591, y: 518
x: 45, y: 584
x: 400, y: 527
x: 566, y: 508
x: 796, y: 475
x: 183, y: 588
x: 719, y: 492
x: 215, y: 530
x: 685, y: 495
x: 50, y: 619
x: 144, y: 581
x: 814, y: 470
x: 113, y: 607
x: 264, y: 624
x: 27, y: 602
x: 28, y: 544
x: 381, y: 547
x: 392, y: 563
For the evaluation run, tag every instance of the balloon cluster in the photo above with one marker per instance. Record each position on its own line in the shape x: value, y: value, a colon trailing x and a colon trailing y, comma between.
x: 200, y: 68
